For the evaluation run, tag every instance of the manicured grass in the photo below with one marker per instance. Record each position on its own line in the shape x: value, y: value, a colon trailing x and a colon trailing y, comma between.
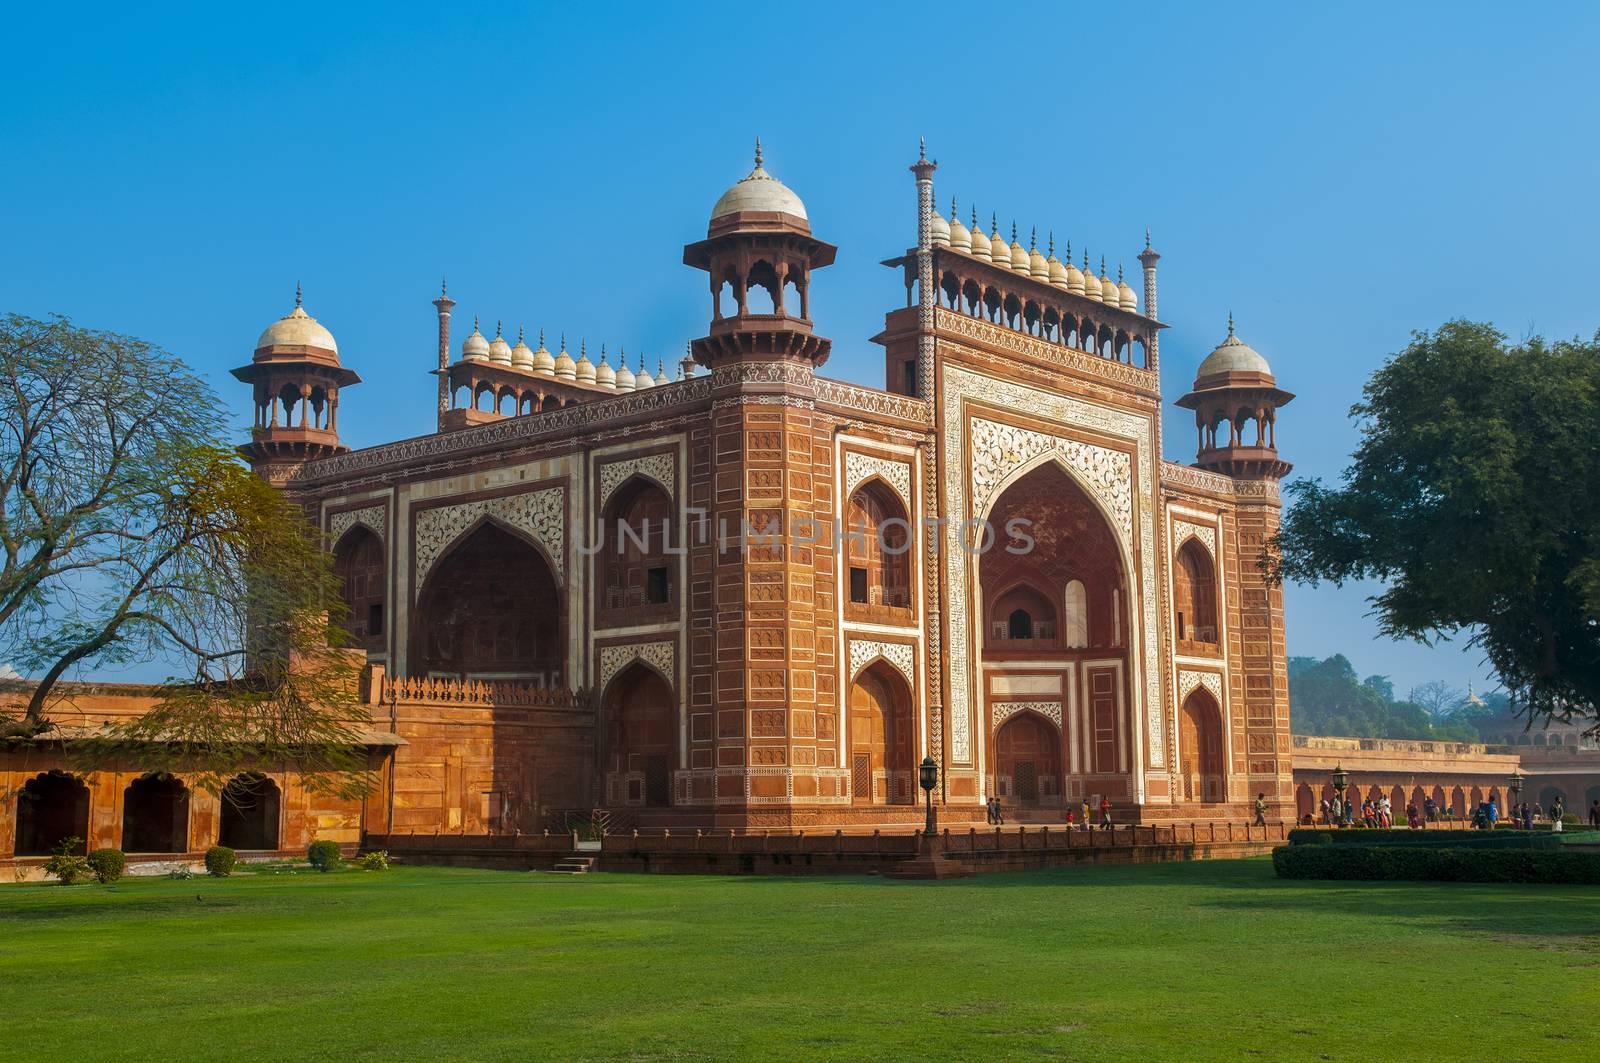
x: 1212, y: 960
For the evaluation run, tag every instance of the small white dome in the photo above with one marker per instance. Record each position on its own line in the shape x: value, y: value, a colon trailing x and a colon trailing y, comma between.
x: 604, y: 375
x: 1108, y: 288
x: 544, y: 363
x: 297, y: 329
x: 1057, y: 272
x: 643, y: 379
x: 1130, y: 301
x: 980, y: 239
x: 1038, y: 268
x: 960, y: 235
x: 758, y: 191
x: 1019, y: 255
x: 1074, y: 275
x: 1233, y: 355
x: 565, y: 367
x: 521, y: 354
x: 624, y: 374
x: 499, y: 349
x: 583, y: 370
x: 475, y: 348
x: 939, y: 231
x: 1091, y: 283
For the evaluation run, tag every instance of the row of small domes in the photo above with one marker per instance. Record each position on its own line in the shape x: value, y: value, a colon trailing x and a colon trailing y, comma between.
x: 992, y: 247
x: 560, y: 365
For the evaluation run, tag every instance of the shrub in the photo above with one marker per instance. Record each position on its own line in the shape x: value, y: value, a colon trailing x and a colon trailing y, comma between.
x: 324, y: 855
x: 1414, y: 863
x: 220, y: 861
x: 107, y: 864
x: 1501, y: 838
x: 377, y: 860
x: 181, y: 874
x: 67, y: 865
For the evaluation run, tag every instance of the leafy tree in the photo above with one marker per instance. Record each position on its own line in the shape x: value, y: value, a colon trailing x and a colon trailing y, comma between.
x: 1327, y: 698
x: 1472, y: 495
x: 130, y: 532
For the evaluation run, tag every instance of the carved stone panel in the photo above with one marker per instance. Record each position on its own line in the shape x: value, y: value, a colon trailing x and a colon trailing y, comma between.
x: 538, y: 514
x: 369, y: 517
x: 660, y: 654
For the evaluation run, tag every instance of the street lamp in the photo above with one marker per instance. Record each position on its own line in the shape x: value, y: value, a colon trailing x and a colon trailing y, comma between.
x: 1516, y: 785
x: 1341, y: 779
x: 928, y: 776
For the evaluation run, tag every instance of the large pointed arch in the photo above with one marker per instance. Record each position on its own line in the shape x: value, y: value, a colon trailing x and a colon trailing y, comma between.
x: 491, y: 607
x: 640, y: 733
x: 880, y: 743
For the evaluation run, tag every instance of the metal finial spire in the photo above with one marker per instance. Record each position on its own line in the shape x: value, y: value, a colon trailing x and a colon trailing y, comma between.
x: 297, y: 295
x: 1102, y: 265
x: 519, y: 335
x: 1052, y: 251
x: 641, y: 362
x: 1069, y: 253
x: 922, y: 149
x: 1230, y: 322
x: 474, y: 322
x: 1147, y: 237
x: 1013, y: 230
x: 953, y: 209
x: 583, y: 347
x: 563, y: 342
x: 1086, y: 260
x: 758, y: 153
x: 975, y: 218
x: 602, y: 354
x: 1033, y: 239
x: 1119, y: 272
x: 444, y: 286
x: 497, y: 329
x: 541, y: 339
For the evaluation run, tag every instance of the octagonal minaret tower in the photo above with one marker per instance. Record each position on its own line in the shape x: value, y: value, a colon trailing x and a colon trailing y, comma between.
x: 1235, y: 392
x: 296, y: 377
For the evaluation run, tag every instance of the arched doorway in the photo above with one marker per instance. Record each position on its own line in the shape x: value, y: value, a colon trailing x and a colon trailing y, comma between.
x: 491, y: 609
x: 1200, y: 747
x: 51, y: 808
x: 251, y: 806
x: 1549, y: 795
x: 1305, y: 803
x: 636, y: 559
x: 155, y: 815
x: 1027, y: 754
x: 358, y: 559
x: 641, y: 716
x: 880, y: 741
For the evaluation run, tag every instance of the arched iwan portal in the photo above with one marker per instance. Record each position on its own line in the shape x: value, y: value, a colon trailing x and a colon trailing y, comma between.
x: 880, y: 741
x: 155, y: 815
x: 642, y: 738
x: 491, y: 609
x: 358, y: 560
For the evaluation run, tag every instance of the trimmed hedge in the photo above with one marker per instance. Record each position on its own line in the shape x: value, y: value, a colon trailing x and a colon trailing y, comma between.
x: 220, y: 860
x: 324, y: 855
x: 1413, y: 863
x: 1436, y: 839
x: 107, y: 864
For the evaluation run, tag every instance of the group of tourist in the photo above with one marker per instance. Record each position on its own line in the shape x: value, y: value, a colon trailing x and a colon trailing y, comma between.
x: 1378, y: 814
x: 1077, y: 818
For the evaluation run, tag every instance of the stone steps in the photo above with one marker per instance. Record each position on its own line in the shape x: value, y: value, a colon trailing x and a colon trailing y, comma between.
x: 575, y: 865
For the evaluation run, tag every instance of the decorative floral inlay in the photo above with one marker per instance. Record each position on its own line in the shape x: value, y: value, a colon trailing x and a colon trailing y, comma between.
x: 657, y: 467
x: 1001, y: 711
x: 900, y: 654
x: 538, y: 513
x: 999, y: 449
x: 897, y: 474
x: 370, y: 517
x: 1182, y: 529
x: 614, y: 659
x: 1188, y: 680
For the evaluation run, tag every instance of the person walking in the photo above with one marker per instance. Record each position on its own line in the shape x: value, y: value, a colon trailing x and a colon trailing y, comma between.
x: 1494, y: 813
x: 1261, y: 810
x: 1087, y: 825
x: 1105, y: 813
x: 1594, y: 813
x: 1327, y: 813
x: 1412, y: 819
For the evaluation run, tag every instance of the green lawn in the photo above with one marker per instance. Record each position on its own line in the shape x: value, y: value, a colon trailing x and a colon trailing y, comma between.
x: 1209, y: 960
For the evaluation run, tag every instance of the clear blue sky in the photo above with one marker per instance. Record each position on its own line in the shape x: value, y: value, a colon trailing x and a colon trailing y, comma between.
x: 1336, y: 175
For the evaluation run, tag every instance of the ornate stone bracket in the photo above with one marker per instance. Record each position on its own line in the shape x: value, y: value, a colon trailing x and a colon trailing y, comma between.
x: 900, y: 654
x: 660, y: 655
x: 656, y: 467
x: 1001, y: 711
x: 369, y: 517
x: 860, y: 467
x: 538, y: 514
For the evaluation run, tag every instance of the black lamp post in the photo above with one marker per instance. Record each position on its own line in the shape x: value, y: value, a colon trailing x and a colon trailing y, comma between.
x: 928, y: 776
x: 1516, y: 786
x: 1341, y: 779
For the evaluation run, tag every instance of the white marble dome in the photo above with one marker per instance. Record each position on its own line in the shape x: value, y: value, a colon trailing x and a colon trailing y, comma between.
x: 475, y: 348
x: 1233, y: 355
x: 297, y: 329
x: 759, y: 191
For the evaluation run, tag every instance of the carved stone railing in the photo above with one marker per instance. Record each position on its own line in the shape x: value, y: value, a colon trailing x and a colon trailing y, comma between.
x: 433, y: 690
x: 871, y: 400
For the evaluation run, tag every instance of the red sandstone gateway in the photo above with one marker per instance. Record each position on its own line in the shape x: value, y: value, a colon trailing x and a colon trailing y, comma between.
x: 683, y: 679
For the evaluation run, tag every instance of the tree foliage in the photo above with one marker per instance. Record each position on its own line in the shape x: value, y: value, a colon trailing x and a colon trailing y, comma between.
x: 1328, y: 698
x: 130, y: 532
x: 1472, y: 496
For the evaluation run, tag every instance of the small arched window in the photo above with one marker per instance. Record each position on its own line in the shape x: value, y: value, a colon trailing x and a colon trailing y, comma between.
x: 1020, y: 624
x: 636, y: 559
x: 1195, y: 596
x: 878, y: 548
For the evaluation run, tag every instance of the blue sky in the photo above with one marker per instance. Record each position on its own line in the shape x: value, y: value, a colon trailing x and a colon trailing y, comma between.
x: 1336, y: 175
